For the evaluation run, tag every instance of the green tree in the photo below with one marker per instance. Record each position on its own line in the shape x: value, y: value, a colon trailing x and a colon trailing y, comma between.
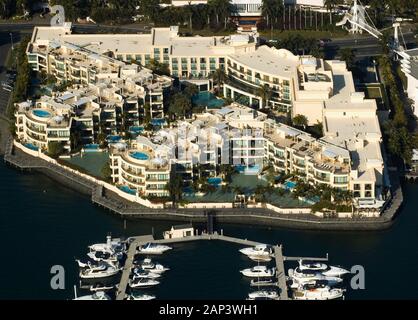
x: 264, y: 92
x: 175, y: 188
x: 55, y: 149
x: 219, y: 77
x: 106, y: 172
x: 300, y: 121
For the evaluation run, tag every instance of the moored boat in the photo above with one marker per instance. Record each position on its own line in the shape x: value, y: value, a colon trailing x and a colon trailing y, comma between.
x: 323, y: 268
x: 258, y: 272
x: 153, y: 248
x: 143, y: 283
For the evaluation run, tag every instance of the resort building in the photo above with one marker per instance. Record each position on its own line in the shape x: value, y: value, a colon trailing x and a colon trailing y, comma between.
x: 44, y: 122
x: 409, y: 65
x: 142, y: 168
x: 187, y: 57
x: 79, y: 60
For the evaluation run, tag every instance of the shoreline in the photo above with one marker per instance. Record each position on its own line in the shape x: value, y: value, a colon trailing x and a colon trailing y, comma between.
x: 106, y: 199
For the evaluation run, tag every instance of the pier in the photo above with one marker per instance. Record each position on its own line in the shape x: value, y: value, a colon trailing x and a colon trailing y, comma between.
x: 278, y: 256
x: 280, y: 273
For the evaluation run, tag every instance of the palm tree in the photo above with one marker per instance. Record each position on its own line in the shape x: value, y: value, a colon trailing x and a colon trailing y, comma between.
x: 219, y: 77
x: 329, y: 5
x: 264, y: 92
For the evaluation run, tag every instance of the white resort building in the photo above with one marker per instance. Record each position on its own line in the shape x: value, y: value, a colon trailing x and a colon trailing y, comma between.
x: 43, y: 122
x: 348, y: 156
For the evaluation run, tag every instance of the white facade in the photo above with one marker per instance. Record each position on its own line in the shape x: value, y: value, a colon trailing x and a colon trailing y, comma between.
x: 306, y: 3
x: 409, y: 65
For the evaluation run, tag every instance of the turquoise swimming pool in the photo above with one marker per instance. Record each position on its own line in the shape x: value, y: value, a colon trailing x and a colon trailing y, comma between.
x: 139, y: 155
x: 289, y: 185
x: 41, y: 113
x: 158, y: 122
x: 214, y: 181
x: 91, y: 147
x: 207, y: 99
x: 128, y: 190
x: 113, y: 139
x: 136, y: 129
x: 31, y: 146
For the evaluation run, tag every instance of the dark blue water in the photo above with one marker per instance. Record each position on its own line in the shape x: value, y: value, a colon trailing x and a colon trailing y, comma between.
x: 43, y: 224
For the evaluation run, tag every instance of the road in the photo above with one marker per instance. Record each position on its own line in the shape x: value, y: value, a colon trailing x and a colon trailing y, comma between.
x: 364, y: 46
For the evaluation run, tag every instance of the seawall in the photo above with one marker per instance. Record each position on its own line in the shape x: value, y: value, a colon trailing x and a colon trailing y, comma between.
x: 252, y: 216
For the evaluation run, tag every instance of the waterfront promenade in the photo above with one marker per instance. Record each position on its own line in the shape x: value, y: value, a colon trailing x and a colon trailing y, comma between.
x: 109, y: 200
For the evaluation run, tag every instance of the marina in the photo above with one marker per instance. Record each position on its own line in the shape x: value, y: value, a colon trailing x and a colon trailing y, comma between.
x: 143, y: 274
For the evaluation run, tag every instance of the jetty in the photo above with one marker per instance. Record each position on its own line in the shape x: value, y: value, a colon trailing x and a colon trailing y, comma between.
x: 278, y: 256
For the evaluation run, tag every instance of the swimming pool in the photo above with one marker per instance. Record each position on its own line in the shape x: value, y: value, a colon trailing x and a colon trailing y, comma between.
x: 113, y: 139
x: 41, y: 113
x: 136, y: 129
x: 207, y: 99
x: 157, y: 122
x: 139, y: 155
x: 289, y: 185
x: 31, y: 146
x: 128, y: 190
x: 214, y: 181
x: 91, y: 147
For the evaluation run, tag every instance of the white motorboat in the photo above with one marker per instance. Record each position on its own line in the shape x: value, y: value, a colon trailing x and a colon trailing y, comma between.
x: 134, y: 296
x: 143, y: 283
x: 304, y: 276
x: 99, y: 295
x: 153, y: 248
x: 105, y: 256
x: 321, y: 293
x: 101, y: 287
x: 326, y: 270
x: 262, y: 283
x: 259, y: 272
x: 103, y: 270
x: 137, y: 274
x: 260, y: 251
x: 111, y: 246
x: 148, y: 265
x: 263, y: 294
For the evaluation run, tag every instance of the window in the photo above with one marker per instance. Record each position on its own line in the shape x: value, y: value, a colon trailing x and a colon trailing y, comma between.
x: 356, y: 186
x: 368, y: 186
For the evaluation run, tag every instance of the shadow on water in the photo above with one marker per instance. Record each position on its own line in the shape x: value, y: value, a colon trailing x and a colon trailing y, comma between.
x: 45, y: 224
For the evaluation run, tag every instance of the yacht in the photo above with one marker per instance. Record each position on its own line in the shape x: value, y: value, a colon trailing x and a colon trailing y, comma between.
x: 143, y: 283
x: 111, y: 246
x: 101, y: 287
x: 148, y: 265
x: 139, y: 273
x: 134, y: 296
x: 263, y: 294
x: 103, y: 270
x: 326, y: 270
x: 153, y: 248
x: 262, y: 283
x: 297, y: 285
x: 303, y: 276
x: 259, y: 272
x: 320, y: 293
x: 260, y: 251
x: 105, y: 256
x: 99, y: 295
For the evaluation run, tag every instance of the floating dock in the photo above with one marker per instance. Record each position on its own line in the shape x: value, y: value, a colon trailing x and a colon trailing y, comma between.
x: 278, y: 256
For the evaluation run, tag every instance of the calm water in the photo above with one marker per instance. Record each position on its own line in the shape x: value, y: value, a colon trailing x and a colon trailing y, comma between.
x: 44, y: 224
